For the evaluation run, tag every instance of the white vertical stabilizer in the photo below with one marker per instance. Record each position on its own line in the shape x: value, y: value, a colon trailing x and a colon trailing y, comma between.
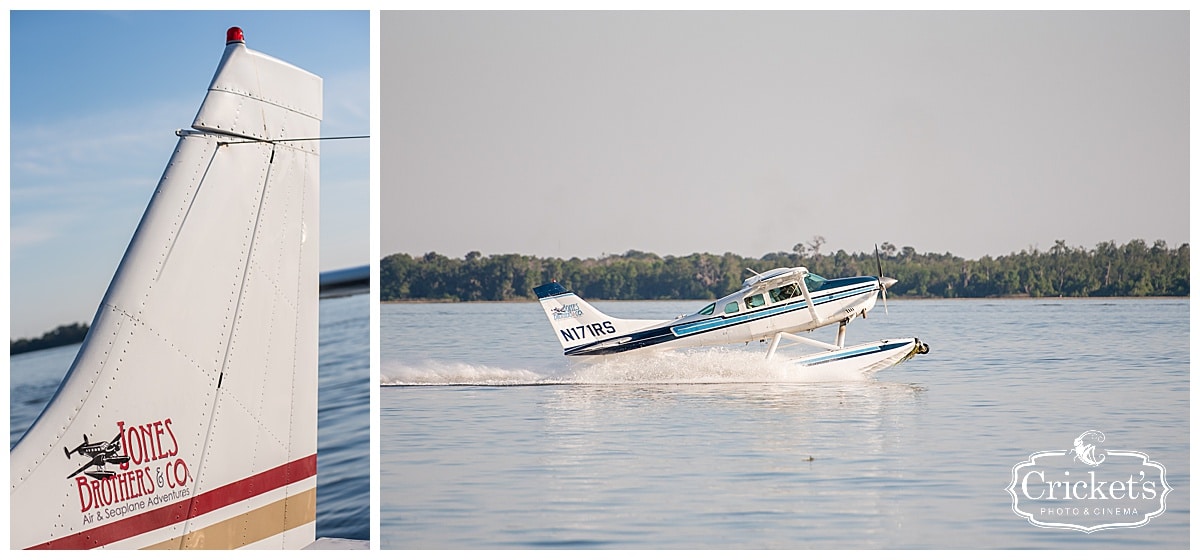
x: 578, y: 323
x: 189, y: 417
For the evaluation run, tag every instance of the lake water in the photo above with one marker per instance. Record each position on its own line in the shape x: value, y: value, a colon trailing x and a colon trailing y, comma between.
x: 343, y: 417
x: 489, y: 439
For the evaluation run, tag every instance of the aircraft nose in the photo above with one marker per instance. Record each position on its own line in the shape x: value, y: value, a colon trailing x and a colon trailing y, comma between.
x: 886, y: 282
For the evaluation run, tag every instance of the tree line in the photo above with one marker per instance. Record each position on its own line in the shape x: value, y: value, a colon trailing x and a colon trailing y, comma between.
x: 60, y: 336
x: 1108, y: 270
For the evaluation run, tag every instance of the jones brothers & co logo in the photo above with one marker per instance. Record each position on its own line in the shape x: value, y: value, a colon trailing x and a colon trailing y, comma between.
x: 138, y: 462
x: 567, y: 311
x: 1087, y: 488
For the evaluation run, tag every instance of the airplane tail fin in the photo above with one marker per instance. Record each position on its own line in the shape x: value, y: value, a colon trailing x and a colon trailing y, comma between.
x: 578, y: 323
x: 192, y: 402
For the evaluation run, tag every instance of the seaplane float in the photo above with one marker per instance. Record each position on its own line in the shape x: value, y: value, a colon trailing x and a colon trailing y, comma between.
x: 772, y: 306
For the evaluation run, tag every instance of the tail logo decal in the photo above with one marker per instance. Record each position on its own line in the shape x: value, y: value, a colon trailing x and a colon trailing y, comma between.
x: 149, y: 475
x: 567, y: 311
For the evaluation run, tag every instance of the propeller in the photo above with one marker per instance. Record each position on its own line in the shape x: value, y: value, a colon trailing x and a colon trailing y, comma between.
x: 884, y: 282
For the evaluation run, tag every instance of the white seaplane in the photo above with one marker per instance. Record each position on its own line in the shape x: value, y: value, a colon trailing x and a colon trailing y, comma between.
x: 774, y: 305
x: 199, y: 371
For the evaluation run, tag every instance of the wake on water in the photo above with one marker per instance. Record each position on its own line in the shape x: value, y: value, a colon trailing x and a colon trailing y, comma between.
x: 713, y: 365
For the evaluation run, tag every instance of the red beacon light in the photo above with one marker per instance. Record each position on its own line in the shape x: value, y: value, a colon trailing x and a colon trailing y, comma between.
x: 234, y: 35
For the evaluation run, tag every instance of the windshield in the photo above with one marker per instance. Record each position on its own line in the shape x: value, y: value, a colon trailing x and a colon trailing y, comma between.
x: 813, y: 282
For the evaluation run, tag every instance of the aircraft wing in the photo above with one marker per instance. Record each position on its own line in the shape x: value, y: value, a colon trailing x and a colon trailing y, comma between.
x: 346, y: 282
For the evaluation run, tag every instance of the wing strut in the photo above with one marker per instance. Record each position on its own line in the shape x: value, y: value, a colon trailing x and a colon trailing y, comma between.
x: 812, y: 309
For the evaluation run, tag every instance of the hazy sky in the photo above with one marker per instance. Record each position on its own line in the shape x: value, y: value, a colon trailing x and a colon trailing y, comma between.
x: 583, y: 133
x: 96, y: 98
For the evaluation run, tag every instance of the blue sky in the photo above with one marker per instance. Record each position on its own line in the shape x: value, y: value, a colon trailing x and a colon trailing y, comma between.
x: 95, y: 100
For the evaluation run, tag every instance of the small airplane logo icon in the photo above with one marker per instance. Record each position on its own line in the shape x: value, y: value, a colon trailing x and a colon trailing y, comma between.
x: 100, y: 453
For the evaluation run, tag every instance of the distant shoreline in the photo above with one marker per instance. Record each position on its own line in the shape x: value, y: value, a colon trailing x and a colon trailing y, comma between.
x: 70, y: 341
x: 61, y: 335
x: 1133, y: 269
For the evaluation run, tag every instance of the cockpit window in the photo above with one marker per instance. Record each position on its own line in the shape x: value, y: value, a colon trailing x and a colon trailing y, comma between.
x: 731, y: 307
x: 708, y: 310
x: 785, y: 292
x: 813, y: 282
x: 754, y: 301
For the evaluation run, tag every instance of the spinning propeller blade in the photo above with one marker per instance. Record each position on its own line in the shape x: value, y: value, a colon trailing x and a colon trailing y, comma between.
x: 882, y: 285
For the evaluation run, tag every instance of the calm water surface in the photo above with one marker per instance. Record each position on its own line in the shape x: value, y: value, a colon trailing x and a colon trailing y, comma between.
x: 343, y: 420
x: 489, y: 439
